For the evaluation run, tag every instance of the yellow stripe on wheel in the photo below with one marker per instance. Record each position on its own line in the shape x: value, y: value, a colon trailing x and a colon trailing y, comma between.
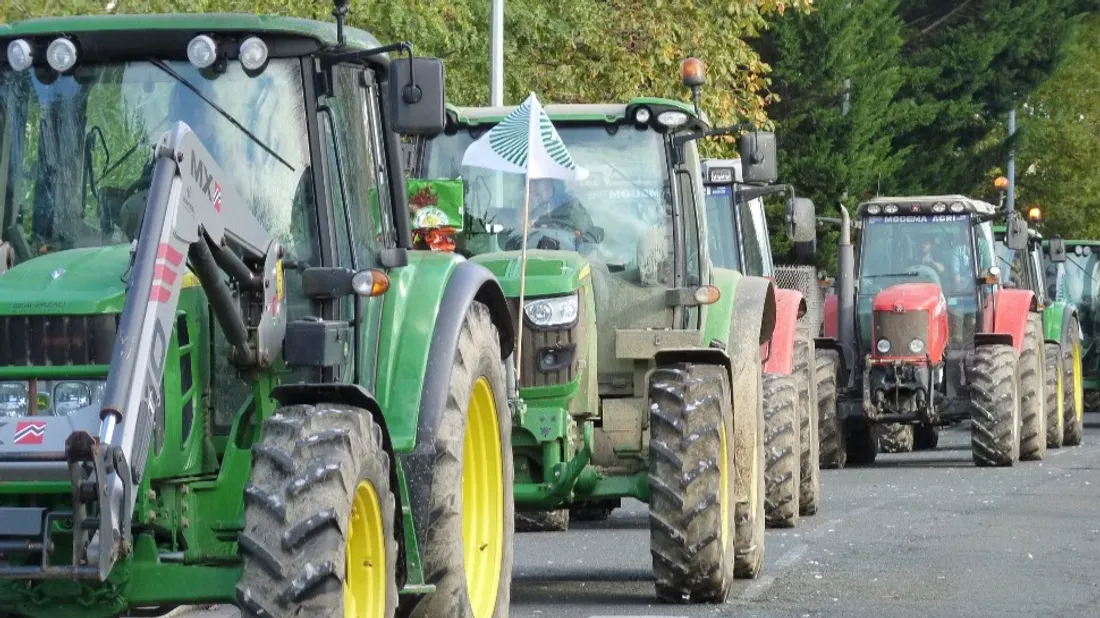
x: 365, y: 584
x: 483, y: 500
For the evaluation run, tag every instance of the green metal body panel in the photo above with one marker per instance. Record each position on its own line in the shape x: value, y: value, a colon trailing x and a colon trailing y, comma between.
x: 192, y: 493
x: 1052, y: 320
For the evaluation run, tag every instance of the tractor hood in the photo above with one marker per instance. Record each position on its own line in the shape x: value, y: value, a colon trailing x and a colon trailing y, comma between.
x: 548, y: 272
x: 909, y: 297
x: 77, y: 281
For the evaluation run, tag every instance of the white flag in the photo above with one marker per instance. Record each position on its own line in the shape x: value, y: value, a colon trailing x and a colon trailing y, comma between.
x: 525, y: 142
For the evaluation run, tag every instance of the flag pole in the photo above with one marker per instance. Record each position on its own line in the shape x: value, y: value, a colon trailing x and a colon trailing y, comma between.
x: 523, y: 269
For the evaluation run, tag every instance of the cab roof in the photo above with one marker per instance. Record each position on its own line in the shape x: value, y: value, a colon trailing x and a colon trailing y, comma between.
x: 923, y: 204
x: 581, y: 112
x: 148, y: 29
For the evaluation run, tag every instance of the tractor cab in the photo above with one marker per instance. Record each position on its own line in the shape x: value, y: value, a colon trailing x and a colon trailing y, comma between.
x: 945, y: 241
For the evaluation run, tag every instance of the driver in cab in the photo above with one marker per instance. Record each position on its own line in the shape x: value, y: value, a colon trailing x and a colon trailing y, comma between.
x: 554, y: 205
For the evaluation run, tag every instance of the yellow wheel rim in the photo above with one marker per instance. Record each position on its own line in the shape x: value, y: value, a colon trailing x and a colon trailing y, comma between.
x: 1078, y: 387
x: 724, y: 488
x: 483, y: 500
x: 366, y: 581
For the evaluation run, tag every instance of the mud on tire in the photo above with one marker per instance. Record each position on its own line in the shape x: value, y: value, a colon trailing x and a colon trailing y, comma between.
x: 805, y: 372
x: 749, y: 515
x: 542, y: 521
x: 782, y: 468
x: 691, y: 538
x: 305, y: 471
x: 1054, y: 393
x: 995, y: 406
x: 831, y: 448
x: 443, y: 551
x: 1033, y: 420
x: 894, y: 437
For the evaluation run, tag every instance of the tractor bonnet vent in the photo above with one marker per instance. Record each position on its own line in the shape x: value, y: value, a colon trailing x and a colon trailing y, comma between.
x: 52, y: 340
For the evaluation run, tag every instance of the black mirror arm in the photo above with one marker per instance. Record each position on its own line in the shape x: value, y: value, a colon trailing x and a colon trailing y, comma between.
x: 679, y: 141
x: 746, y: 192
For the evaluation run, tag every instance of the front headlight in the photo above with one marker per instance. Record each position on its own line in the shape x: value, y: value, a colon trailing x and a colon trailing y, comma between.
x: 916, y: 346
x: 13, y: 399
x: 558, y: 311
x: 883, y: 346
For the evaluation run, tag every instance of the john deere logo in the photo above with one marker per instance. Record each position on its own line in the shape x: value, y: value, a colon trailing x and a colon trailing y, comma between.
x: 43, y: 402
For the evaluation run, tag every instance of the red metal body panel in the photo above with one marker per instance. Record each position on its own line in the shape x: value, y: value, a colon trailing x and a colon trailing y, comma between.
x: 788, y: 305
x: 907, y: 297
x: 1010, y: 317
x: 831, y: 323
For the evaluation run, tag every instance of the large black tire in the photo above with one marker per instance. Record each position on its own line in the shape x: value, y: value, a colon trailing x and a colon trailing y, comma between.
x: 833, y: 454
x: 691, y: 532
x: 445, y: 552
x: 782, y: 469
x: 995, y: 406
x: 750, y: 514
x: 1033, y: 424
x: 860, y: 442
x: 1054, y: 393
x: 1074, y: 402
x: 542, y: 521
x: 805, y: 372
x: 925, y: 437
x: 894, y: 437
x: 307, y: 471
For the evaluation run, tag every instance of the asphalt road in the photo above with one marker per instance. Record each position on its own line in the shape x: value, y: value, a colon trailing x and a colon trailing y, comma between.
x: 923, y: 534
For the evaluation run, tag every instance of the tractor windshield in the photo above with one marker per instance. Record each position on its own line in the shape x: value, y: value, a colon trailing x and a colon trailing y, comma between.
x: 616, y: 217
x: 932, y: 248
x: 79, y: 148
x: 924, y: 248
x: 1077, y: 278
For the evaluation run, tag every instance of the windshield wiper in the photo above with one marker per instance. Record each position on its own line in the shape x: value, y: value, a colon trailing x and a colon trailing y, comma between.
x: 179, y: 78
x: 908, y: 274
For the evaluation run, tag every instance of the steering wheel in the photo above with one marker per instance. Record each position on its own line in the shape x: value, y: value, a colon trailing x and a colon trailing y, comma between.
x: 924, y: 269
x: 562, y: 238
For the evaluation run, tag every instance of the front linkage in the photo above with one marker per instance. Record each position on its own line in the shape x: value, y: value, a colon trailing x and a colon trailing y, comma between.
x: 189, y: 213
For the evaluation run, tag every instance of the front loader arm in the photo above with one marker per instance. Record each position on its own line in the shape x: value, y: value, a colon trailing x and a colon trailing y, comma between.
x: 190, y: 215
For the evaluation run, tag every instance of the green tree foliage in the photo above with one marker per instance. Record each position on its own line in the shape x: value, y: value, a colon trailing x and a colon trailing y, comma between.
x: 580, y: 50
x: 1060, y: 139
x: 839, y: 75
x: 967, y: 63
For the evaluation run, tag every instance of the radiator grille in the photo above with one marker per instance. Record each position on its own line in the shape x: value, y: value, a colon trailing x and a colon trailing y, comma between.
x: 900, y: 329
x: 535, y: 341
x: 804, y: 279
x: 57, y: 340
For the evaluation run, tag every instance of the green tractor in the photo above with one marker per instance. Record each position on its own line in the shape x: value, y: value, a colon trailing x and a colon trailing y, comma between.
x: 1064, y: 391
x: 642, y: 362
x: 799, y: 380
x: 1076, y: 279
x: 224, y: 375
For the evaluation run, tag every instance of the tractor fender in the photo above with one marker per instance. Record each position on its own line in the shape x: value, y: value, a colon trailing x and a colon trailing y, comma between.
x: 1010, y: 317
x: 469, y: 282
x: 830, y: 324
x: 789, y: 307
x: 359, y: 397
x: 1057, y: 318
x: 754, y: 316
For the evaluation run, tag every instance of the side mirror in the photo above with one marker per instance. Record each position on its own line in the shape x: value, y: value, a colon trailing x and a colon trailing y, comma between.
x: 805, y: 250
x: 417, y: 96
x: 801, y: 220
x: 1016, y: 234
x: 758, y: 158
x: 1057, y: 250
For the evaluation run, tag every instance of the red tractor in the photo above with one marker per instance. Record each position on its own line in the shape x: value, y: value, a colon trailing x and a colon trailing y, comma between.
x: 929, y: 337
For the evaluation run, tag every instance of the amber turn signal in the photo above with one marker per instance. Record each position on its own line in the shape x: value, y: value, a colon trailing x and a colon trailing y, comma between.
x: 1034, y: 214
x: 1001, y: 183
x: 693, y: 72
x: 370, y: 282
x: 707, y: 295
